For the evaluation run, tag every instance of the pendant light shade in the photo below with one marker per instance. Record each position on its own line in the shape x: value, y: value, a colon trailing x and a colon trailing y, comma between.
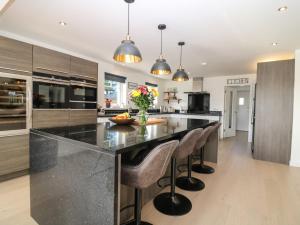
x: 161, y: 67
x: 127, y: 52
x: 180, y: 74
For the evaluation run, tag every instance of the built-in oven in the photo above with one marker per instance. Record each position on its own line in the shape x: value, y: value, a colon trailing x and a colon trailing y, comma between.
x: 50, y: 91
x: 83, y: 93
x: 15, y: 105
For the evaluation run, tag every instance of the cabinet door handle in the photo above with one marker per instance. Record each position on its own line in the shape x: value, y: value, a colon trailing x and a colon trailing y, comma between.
x: 57, y: 71
x: 6, y: 68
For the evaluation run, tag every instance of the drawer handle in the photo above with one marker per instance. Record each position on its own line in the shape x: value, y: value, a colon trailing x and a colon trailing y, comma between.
x: 57, y: 71
x: 23, y: 71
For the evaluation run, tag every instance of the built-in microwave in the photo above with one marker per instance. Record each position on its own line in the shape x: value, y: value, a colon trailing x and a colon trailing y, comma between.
x: 83, y: 93
x: 50, y: 91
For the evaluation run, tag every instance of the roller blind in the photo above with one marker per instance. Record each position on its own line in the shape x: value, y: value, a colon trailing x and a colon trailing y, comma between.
x: 113, y: 77
x: 151, y: 85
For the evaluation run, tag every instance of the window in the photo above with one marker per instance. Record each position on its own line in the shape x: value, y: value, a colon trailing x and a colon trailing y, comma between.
x: 114, y: 89
x: 241, y: 101
x: 153, y: 86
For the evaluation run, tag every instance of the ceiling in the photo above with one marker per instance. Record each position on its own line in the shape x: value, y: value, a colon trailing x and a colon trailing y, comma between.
x: 230, y: 35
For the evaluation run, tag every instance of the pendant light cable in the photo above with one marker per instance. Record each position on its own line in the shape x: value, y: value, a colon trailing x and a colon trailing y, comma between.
x: 128, y: 21
x: 180, y: 55
x: 161, y: 43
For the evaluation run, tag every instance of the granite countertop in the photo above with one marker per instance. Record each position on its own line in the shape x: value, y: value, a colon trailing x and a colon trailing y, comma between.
x: 211, y: 113
x: 115, y: 139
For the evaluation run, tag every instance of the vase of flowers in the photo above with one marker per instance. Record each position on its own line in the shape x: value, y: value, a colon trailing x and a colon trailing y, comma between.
x: 143, y: 98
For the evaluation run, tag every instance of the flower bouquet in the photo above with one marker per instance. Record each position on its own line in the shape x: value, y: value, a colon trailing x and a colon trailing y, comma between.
x: 143, y: 98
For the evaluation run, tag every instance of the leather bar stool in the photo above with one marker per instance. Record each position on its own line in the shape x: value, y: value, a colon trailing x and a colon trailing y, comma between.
x: 201, y: 167
x: 172, y: 203
x: 185, y: 149
x: 147, y: 173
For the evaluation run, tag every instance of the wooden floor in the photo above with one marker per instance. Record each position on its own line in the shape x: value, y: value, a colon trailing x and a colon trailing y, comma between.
x: 242, y: 191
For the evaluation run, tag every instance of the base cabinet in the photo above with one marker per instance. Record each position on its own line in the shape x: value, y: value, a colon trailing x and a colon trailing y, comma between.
x: 79, y: 117
x: 50, y: 118
x: 14, y: 152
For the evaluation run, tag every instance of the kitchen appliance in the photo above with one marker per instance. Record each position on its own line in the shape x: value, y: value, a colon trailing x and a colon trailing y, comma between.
x: 83, y: 93
x: 15, y: 104
x: 198, y: 102
x: 50, y: 91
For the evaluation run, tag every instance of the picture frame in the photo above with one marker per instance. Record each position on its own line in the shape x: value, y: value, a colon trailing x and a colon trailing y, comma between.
x: 132, y: 85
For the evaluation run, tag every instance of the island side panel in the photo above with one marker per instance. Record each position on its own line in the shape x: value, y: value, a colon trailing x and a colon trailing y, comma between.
x: 212, y: 147
x: 72, y: 185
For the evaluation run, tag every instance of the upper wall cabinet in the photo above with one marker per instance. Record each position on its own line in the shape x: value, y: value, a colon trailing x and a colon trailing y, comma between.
x: 83, y: 68
x: 49, y: 61
x: 15, y: 56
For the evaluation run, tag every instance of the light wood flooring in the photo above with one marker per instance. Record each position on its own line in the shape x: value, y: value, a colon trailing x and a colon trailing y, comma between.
x: 242, y: 191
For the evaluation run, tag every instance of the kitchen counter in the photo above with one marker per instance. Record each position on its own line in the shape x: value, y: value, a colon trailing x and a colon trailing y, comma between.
x: 211, y: 113
x: 75, y: 171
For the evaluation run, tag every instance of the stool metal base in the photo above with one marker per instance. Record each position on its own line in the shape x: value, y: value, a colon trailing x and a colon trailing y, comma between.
x: 133, y: 222
x: 190, y: 183
x: 173, y: 206
x: 201, y: 168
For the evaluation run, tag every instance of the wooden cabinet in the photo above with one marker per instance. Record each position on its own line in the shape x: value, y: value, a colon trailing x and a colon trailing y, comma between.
x: 78, y: 117
x: 15, y: 56
x: 50, y: 118
x: 83, y: 68
x: 49, y: 61
x: 274, y: 111
x: 14, y: 152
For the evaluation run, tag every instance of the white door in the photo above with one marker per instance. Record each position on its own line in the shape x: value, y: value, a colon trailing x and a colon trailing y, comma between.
x: 230, y: 112
x: 243, y: 98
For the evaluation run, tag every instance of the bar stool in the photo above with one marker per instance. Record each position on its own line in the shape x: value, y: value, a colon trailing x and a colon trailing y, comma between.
x: 147, y: 173
x: 185, y: 149
x: 201, y: 167
x: 172, y: 203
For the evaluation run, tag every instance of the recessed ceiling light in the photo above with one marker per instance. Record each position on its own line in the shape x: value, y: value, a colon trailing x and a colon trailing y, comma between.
x: 62, y: 23
x: 275, y: 43
x: 282, y: 9
x: 204, y: 63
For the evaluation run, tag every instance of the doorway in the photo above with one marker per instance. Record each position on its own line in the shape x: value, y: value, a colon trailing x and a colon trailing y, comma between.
x: 236, y: 110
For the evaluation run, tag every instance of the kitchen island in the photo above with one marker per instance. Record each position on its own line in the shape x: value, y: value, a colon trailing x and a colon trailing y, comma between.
x: 75, y: 171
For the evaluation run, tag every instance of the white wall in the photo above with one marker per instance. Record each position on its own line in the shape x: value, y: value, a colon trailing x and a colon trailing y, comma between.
x: 216, y: 87
x: 295, y: 151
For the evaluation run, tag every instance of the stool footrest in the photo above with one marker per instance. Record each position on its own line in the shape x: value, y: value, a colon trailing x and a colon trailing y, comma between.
x: 161, y: 179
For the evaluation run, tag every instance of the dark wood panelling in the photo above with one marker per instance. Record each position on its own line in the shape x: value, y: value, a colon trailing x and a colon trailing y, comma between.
x: 15, y: 56
x: 274, y: 111
x: 49, y: 61
x: 50, y: 118
x: 14, y: 154
x: 83, y: 68
x: 78, y: 117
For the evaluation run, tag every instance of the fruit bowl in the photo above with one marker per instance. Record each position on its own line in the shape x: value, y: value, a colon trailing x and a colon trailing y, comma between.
x: 127, y: 121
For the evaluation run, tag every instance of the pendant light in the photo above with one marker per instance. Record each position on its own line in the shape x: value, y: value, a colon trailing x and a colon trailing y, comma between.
x: 180, y: 74
x: 127, y: 52
x: 161, y: 67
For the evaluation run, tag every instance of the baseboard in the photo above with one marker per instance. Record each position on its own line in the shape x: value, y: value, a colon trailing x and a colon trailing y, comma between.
x: 295, y: 163
x: 14, y: 175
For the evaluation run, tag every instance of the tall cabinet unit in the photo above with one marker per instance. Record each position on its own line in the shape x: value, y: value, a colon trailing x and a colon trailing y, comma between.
x: 274, y: 111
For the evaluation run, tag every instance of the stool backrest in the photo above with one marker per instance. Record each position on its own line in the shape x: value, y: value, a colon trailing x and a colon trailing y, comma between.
x: 215, y: 127
x: 203, y: 138
x: 187, y: 143
x: 152, y: 168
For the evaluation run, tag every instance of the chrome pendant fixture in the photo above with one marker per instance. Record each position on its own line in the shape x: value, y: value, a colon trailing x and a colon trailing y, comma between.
x: 161, y: 67
x: 127, y: 52
x: 180, y: 74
